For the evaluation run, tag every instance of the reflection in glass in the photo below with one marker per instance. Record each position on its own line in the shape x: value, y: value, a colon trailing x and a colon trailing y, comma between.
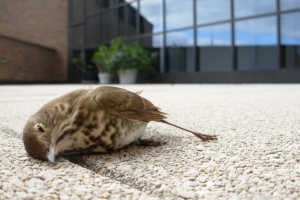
x: 131, y: 15
x: 290, y: 39
x: 215, y: 49
x: 289, y: 4
x: 92, y: 30
x: 207, y: 11
x: 77, y: 37
x: 127, y: 20
x: 108, y: 26
x: 180, y: 38
x: 256, y: 43
x: 77, y: 10
x: 155, y: 44
x: 217, y: 35
x: 92, y: 7
x: 155, y: 41
x: 180, y: 56
x: 105, y: 3
x: 260, y: 31
x: 179, y: 14
x: 151, y: 16
x: 244, y: 8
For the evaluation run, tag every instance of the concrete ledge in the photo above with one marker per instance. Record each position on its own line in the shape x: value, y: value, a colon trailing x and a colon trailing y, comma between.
x: 256, y: 76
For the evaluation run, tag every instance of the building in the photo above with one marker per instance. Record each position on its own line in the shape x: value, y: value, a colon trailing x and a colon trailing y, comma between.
x: 33, y: 41
x: 198, y: 41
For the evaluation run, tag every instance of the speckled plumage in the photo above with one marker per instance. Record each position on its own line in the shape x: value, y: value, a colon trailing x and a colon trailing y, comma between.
x: 90, y: 121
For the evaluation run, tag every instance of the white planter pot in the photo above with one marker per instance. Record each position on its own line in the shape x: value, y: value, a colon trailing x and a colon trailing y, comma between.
x: 127, y: 76
x: 104, y: 77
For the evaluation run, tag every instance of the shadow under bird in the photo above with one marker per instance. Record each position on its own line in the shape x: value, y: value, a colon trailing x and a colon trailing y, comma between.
x: 92, y: 121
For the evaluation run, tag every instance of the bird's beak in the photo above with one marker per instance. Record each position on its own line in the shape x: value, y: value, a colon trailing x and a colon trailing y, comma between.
x: 51, y: 154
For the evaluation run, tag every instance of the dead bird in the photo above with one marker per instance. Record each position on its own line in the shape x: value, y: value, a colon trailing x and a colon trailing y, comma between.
x: 92, y: 121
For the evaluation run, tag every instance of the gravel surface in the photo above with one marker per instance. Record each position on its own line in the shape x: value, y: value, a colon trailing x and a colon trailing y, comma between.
x: 256, y: 155
x: 23, y: 177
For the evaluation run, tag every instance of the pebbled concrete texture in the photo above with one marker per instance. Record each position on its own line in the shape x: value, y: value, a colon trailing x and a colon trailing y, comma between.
x: 23, y: 177
x: 256, y: 155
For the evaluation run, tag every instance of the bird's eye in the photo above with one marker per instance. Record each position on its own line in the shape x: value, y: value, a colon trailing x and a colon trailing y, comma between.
x: 40, y: 128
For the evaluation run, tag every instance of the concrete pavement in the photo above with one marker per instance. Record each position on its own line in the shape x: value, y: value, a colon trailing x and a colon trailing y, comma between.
x: 256, y: 155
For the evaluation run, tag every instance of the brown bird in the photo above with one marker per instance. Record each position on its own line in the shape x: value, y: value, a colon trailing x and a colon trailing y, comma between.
x: 92, y: 121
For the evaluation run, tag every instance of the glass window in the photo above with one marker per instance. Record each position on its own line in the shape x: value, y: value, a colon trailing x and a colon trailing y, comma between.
x: 108, y: 26
x: 207, y: 11
x: 105, y: 3
x: 154, y: 43
x: 121, y: 12
x: 131, y: 14
x: 77, y: 10
x: 290, y: 28
x: 180, y: 38
x: 260, y: 31
x: 256, y: 41
x: 77, y: 37
x: 127, y: 20
x: 151, y: 20
x: 244, y: 8
x: 290, y: 39
x: 180, y: 56
x: 289, y: 4
x: 214, y: 43
x: 92, y: 6
x: 217, y: 35
x: 92, y: 30
x: 179, y: 14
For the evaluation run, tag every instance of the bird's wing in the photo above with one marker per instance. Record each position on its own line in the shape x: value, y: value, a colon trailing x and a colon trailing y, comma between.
x: 126, y: 104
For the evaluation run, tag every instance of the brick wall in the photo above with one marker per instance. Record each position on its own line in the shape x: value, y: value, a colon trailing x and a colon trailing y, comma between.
x: 25, y: 62
x: 28, y: 26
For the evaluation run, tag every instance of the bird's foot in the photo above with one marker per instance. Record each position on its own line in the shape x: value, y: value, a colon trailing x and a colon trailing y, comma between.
x: 205, y: 137
x: 150, y: 142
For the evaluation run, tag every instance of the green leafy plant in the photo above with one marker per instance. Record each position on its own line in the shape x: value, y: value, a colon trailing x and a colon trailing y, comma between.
x: 102, y: 58
x: 122, y: 56
x: 80, y: 63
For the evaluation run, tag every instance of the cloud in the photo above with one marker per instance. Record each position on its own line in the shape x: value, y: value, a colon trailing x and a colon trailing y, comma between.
x: 244, y: 8
x: 181, y: 38
x: 179, y: 14
x: 290, y: 28
x: 289, y: 4
x: 152, y: 11
x: 212, y: 42
x: 211, y: 11
x: 214, y: 35
x: 157, y: 41
x: 258, y: 25
x: 260, y: 31
x: 253, y: 31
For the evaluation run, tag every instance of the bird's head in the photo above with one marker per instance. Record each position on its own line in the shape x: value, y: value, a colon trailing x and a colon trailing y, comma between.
x: 36, y: 138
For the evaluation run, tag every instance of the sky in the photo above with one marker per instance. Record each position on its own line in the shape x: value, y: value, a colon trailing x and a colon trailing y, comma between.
x: 260, y: 31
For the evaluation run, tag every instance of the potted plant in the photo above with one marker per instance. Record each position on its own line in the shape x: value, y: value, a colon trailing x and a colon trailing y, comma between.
x: 87, y: 71
x: 102, y: 58
x: 128, y: 60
